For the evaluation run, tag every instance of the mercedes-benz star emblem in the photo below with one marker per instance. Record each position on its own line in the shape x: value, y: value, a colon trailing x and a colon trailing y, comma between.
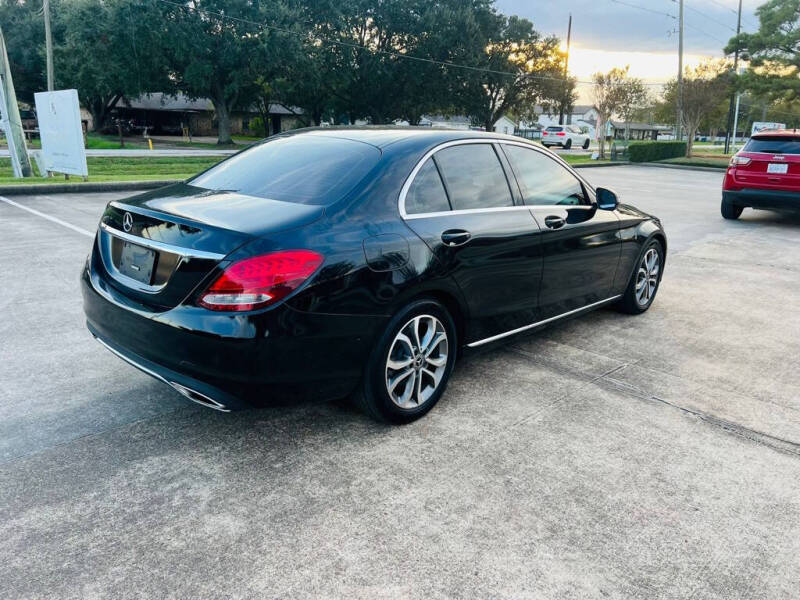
x: 127, y: 221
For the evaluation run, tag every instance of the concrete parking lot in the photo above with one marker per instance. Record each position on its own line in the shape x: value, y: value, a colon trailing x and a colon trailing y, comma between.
x: 606, y: 457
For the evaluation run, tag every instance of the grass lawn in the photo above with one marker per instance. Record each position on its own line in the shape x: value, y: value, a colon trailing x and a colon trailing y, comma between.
x: 103, y: 168
x: 719, y: 161
x: 578, y: 159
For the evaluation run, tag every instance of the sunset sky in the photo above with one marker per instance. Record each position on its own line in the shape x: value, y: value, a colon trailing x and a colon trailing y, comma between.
x: 608, y: 34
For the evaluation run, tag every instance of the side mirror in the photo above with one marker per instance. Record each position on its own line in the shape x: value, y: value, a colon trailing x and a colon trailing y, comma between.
x: 606, y: 199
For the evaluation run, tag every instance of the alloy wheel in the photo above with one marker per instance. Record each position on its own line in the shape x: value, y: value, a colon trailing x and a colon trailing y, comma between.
x: 647, y: 277
x: 417, y: 361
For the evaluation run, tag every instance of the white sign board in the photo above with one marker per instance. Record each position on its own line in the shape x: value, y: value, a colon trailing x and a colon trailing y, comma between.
x: 59, y: 117
x: 763, y: 125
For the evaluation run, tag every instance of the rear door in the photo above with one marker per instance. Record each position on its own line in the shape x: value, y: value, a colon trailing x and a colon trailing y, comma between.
x: 580, y: 242
x: 461, y: 204
x: 774, y: 163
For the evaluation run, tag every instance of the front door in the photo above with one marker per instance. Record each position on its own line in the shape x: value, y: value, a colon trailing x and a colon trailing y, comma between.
x: 580, y: 242
x: 461, y: 204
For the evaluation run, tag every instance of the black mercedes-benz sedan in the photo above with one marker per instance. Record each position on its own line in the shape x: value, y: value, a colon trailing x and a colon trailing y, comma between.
x: 335, y: 262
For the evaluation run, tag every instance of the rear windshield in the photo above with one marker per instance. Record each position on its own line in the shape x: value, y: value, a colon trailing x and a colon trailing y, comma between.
x: 554, y: 128
x: 774, y: 145
x: 305, y: 169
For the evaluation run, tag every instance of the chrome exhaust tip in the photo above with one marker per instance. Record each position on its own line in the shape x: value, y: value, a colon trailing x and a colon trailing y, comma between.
x: 196, y: 396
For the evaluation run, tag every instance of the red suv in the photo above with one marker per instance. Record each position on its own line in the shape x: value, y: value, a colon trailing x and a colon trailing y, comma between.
x: 764, y: 174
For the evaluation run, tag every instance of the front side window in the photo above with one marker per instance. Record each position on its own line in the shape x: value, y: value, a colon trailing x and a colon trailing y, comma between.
x: 426, y: 194
x: 474, y: 177
x: 543, y: 180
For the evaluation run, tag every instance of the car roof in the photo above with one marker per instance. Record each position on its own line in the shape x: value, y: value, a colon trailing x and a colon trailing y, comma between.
x: 771, y: 133
x: 382, y: 136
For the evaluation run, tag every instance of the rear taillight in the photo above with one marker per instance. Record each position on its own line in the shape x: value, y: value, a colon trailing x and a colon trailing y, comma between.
x: 739, y: 161
x: 561, y: 134
x: 261, y: 280
x: 545, y: 133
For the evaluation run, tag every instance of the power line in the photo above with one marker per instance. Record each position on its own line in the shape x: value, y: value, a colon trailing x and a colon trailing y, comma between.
x: 713, y: 37
x: 644, y: 8
x: 354, y: 46
x: 710, y: 18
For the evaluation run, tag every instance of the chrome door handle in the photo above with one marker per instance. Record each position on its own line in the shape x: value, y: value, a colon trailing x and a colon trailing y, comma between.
x: 554, y: 222
x: 456, y: 237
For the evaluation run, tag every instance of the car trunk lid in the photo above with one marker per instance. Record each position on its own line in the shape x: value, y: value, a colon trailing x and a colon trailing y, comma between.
x: 157, y: 248
x: 774, y: 163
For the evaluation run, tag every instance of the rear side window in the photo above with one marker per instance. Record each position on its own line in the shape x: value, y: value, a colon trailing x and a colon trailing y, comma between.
x: 774, y: 145
x: 474, y: 177
x: 543, y: 180
x: 426, y: 193
x: 305, y: 169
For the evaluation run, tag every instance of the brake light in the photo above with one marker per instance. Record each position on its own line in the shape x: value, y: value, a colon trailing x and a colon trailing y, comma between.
x: 739, y: 161
x: 261, y: 280
x: 545, y: 133
x: 561, y: 134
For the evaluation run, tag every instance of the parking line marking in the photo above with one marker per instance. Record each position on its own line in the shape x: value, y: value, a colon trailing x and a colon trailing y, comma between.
x: 33, y: 211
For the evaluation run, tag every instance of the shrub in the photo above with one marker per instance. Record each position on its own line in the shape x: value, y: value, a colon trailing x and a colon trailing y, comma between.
x: 650, y: 151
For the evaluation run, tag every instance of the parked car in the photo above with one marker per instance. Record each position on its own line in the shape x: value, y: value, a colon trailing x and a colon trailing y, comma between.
x: 331, y: 262
x: 764, y: 174
x: 565, y: 136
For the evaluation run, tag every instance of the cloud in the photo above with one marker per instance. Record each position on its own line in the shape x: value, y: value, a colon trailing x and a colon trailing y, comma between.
x: 608, y: 25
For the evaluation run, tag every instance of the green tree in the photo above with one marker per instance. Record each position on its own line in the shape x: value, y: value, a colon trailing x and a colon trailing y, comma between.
x: 703, y: 87
x: 608, y: 93
x: 108, y: 50
x: 24, y: 33
x: 774, y: 50
x: 633, y: 96
x: 521, y: 69
x: 218, y: 50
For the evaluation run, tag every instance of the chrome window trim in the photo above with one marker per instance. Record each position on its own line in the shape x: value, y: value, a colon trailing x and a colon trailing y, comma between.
x: 558, y: 160
x: 542, y: 322
x: 161, y: 246
x: 401, y: 201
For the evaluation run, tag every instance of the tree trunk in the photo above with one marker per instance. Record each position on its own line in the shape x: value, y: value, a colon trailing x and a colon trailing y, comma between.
x: 690, y: 133
x: 223, y: 122
x: 98, y: 116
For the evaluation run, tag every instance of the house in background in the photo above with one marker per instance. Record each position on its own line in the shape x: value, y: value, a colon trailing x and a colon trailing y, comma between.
x: 505, y: 125
x: 638, y: 131
x: 167, y: 115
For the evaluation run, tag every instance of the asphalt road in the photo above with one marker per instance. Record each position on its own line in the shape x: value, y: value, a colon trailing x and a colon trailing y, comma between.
x: 606, y: 457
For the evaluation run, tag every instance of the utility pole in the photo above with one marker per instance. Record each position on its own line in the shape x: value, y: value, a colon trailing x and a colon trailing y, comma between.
x: 679, y: 122
x: 734, y: 95
x: 48, y: 41
x: 566, y: 71
x: 11, y: 123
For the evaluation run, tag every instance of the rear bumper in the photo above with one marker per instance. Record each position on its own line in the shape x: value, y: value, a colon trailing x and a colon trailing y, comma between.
x: 234, y: 361
x: 769, y: 199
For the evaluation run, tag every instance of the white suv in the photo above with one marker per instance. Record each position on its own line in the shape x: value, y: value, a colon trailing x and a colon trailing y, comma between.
x: 565, y: 136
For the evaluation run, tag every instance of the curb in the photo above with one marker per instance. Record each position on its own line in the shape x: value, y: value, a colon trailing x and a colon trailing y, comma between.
x: 599, y: 165
x: 682, y: 167
x: 99, y: 186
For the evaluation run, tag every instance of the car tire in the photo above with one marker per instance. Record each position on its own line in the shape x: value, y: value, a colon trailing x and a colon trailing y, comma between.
x: 418, y: 371
x: 729, y: 210
x: 568, y: 145
x: 586, y: 145
x: 645, y: 280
